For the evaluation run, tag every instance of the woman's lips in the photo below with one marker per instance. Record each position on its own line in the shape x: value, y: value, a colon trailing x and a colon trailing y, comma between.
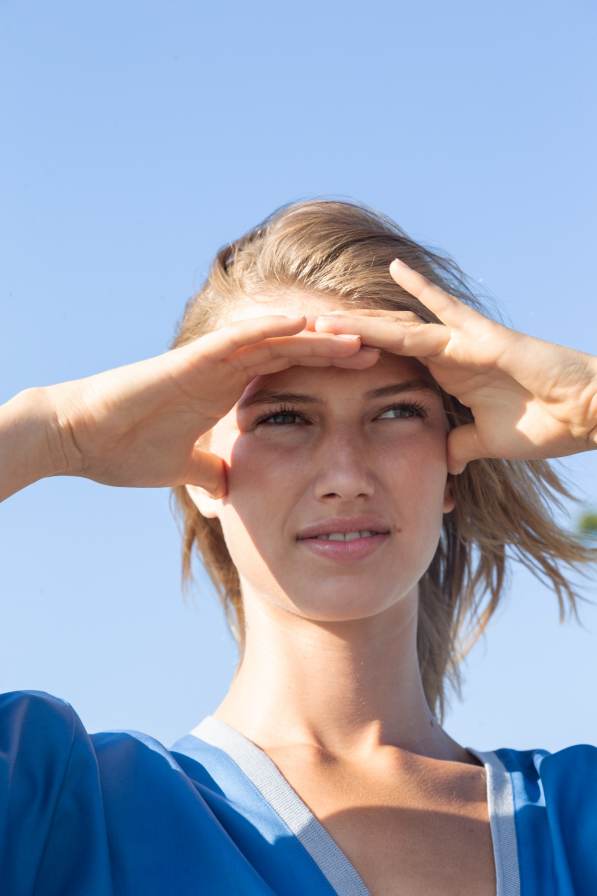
x: 345, y: 551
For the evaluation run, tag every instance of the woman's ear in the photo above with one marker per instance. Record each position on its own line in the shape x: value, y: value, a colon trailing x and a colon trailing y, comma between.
x: 203, y: 501
x: 449, y: 501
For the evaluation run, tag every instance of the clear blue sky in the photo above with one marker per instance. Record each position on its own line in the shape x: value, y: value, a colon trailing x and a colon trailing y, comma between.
x: 140, y: 137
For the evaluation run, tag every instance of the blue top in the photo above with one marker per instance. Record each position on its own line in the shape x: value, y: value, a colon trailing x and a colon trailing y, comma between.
x: 118, y: 814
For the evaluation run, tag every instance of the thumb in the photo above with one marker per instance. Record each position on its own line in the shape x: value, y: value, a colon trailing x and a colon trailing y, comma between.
x: 208, y: 471
x: 463, y: 446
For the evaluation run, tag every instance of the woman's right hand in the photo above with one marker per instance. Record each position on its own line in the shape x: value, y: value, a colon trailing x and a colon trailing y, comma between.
x: 138, y: 425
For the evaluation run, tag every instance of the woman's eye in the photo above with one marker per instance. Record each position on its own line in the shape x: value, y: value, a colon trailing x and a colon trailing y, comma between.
x: 407, y: 410
x: 282, y: 412
x: 410, y: 409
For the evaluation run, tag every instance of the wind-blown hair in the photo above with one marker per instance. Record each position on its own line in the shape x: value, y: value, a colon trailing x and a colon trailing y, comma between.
x: 504, y: 509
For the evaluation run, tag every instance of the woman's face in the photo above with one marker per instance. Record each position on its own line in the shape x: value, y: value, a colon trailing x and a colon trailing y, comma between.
x: 340, y: 454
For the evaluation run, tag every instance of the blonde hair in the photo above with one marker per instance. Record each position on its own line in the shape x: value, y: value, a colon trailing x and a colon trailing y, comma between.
x: 503, y: 508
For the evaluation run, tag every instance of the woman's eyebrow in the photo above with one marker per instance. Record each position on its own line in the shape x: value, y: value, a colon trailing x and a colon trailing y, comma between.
x: 268, y: 396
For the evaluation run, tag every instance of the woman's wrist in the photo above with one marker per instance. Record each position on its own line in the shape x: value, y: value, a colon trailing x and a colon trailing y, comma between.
x: 29, y: 445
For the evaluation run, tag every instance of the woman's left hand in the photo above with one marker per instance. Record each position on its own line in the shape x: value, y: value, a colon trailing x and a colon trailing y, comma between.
x: 529, y: 398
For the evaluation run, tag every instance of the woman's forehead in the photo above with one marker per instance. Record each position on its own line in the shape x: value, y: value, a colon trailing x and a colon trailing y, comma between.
x: 389, y: 368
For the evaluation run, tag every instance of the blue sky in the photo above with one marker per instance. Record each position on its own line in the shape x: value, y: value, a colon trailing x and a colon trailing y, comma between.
x: 140, y: 137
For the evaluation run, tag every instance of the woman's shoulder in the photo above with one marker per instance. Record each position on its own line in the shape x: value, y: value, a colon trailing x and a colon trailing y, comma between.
x: 48, y: 758
x: 45, y: 727
x: 544, y: 787
x: 555, y: 798
x: 565, y: 779
x: 46, y: 770
x: 543, y: 812
x: 537, y: 763
x: 116, y: 811
x: 46, y: 721
x: 38, y: 725
x: 67, y: 793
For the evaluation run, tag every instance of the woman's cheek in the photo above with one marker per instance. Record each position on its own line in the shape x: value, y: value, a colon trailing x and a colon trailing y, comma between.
x: 256, y: 463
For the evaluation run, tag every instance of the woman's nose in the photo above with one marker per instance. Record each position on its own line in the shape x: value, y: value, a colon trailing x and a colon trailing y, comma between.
x: 344, y: 469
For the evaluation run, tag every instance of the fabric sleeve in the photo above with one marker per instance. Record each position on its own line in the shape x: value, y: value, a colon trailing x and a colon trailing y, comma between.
x: 52, y: 833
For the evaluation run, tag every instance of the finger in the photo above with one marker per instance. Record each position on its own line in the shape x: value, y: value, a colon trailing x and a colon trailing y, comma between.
x: 403, y: 338
x: 208, y: 471
x: 463, y: 446
x: 388, y: 313
x: 448, y: 308
x: 366, y: 357
x: 294, y: 347
x: 220, y: 343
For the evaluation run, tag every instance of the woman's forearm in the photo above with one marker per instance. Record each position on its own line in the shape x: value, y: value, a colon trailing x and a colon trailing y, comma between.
x: 29, y: 449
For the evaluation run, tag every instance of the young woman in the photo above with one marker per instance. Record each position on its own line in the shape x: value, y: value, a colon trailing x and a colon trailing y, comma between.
x: 355, y: 450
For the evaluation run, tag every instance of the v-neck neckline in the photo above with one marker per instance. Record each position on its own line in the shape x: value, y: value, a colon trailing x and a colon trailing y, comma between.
x: 333, y: 862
